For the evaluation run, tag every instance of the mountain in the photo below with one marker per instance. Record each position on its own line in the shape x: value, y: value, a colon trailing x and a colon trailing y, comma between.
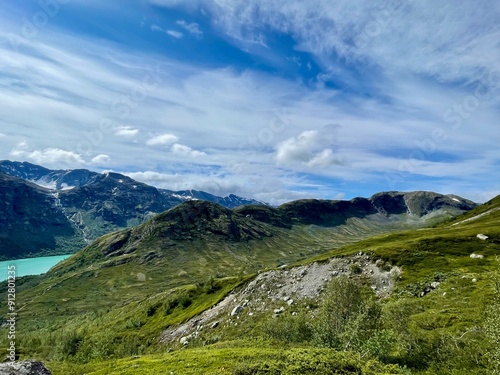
x: 203, y: 289
x: 189, y: 239
x: 336, y: 212
x: 51, y: 179
x: 231, y: 201
x: 29, y: 223
x: 90, y: 204
x: 77, y: 178
x: 85, y: 205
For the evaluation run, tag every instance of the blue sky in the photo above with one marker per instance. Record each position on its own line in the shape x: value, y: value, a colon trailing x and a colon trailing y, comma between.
x: 324, y: 99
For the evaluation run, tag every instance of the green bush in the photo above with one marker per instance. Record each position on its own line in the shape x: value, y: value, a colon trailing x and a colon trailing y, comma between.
x: 316, y: 361
x: 70, y: 343
x: 134, y: 323
x: 170, y: 305
x: 290, y: 329
x: 151, y: 310
x: 348, y: 318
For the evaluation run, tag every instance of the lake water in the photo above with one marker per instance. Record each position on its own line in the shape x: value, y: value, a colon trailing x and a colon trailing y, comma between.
x: 30, y: 266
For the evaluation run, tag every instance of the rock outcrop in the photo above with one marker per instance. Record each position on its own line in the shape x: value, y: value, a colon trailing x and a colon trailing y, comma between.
x: 24, y: 368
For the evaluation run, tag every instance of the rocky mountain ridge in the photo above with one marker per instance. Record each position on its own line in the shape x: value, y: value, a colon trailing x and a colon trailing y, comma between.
x: 78, y: 206
x: 337, y: 212
x: 186, y: 238
x: 77, y: 178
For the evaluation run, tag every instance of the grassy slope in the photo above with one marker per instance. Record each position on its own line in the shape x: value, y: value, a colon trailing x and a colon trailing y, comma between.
x: 424, y: 255
x: 108, y: 282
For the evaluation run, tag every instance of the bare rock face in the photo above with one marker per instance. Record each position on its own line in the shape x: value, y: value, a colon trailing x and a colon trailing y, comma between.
x: 24, y: 368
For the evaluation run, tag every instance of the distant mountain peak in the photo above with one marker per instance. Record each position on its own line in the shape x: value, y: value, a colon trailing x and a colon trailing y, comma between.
x: 91, y: 204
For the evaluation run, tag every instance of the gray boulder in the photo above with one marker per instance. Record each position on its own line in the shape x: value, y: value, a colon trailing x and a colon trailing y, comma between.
x: 24, y: 368
x: 477, y: 256
x: 236, y: 310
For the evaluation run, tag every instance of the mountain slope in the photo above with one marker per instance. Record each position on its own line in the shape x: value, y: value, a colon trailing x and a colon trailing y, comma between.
x: 332, y: 213
x: 30, y: 225
x: 118, y: 292
x: 198, y: 238
x: 77, y: 178
x: 94, y: 204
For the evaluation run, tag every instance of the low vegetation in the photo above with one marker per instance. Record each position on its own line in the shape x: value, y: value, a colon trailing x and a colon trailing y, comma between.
x: 441, y: 318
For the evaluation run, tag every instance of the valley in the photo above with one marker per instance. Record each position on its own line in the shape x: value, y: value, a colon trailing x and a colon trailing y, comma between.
x: 203, y: 289
x: 54, y: 212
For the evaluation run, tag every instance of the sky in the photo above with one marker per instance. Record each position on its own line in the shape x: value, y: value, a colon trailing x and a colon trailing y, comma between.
x: 269, y: 100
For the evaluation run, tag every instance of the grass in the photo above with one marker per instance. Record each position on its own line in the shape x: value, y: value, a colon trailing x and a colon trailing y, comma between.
x: 234, y: 360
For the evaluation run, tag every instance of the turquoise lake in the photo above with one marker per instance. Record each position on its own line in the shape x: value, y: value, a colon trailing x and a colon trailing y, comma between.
x: 30, y: 266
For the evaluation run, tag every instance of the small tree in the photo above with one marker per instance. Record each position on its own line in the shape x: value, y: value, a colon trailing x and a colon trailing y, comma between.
x: 348, y: 316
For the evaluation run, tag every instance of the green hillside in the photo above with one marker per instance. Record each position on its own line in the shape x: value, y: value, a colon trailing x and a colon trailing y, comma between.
x: 104, y: 310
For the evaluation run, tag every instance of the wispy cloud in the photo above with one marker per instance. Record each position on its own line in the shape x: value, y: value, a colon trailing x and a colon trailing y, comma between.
x: 157, y: 28
x: 185, y: 151
x: 193, y: 28
x: 175, y: 34
x: 126, y: 131
x: 163, y: 139
x: 447, y: 43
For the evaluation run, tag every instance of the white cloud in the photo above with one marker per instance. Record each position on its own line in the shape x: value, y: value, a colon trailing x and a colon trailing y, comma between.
x: 175, y: 34
x: 2, y: 135
x: 269, y: 189
x: 185, y: 151
x: 101, y: 159
x: 164, y: 139
x: 48, y: 156
x: 126, y: 131
x: 193, y: 28
x: 311, y: 148
x: 20, y: 150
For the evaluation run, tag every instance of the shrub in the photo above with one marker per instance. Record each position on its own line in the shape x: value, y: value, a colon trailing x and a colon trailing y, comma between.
x: 288, y: 328
x: 356, y: 269
x: 341, y: 315
x: 151, y: 310
x: 70, y: 343
x: 134, y: 323
x: 170, y: 305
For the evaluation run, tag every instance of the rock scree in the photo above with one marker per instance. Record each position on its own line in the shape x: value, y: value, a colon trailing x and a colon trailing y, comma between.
x: 277, y: 291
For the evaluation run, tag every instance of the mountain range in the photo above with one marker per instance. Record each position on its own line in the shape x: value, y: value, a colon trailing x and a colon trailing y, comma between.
x: 201, y: 288
x: 52, y: 212
x: 49, y: 212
